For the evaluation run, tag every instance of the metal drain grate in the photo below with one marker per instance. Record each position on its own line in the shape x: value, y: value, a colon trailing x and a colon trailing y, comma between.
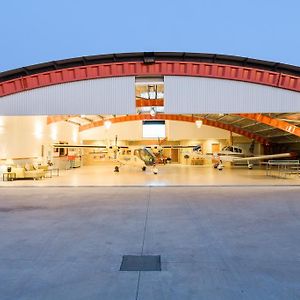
x: 141, y: 263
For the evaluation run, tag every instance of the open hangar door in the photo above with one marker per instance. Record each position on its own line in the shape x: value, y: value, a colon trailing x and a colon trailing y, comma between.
x: 87, y: 105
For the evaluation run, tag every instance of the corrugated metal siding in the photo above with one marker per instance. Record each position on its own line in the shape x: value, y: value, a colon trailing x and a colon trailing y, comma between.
x: 98, y: 96
x: 207, y: 95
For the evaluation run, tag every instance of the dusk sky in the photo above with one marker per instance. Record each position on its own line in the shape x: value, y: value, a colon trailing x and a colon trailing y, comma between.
x: 35, y: 31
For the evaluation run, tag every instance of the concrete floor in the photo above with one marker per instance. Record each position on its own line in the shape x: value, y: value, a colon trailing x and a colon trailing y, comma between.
x: 215, y: 243
x: 169, y: 175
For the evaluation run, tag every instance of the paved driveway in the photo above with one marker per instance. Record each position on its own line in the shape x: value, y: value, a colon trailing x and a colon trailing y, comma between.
x: 215, y: 243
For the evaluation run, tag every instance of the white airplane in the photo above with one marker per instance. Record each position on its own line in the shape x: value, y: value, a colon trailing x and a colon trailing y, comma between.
x: 236, y: 154
x: 136, y: 157
x: 157, y: 150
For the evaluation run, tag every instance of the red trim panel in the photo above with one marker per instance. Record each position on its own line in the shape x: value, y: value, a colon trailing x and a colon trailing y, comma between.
x: 182, y: 118
x: 159, y: 68
x: 150, y: 102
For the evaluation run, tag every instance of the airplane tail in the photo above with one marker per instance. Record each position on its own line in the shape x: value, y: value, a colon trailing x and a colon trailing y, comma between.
x: 197, y: 148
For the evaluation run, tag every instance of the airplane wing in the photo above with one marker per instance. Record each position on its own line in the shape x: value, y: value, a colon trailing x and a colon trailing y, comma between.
x: 78, y: 146
x: 177, y: 147
x: 271, y: 156
x: 87, y: 146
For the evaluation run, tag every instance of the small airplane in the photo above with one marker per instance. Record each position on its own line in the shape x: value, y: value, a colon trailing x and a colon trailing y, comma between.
x: 236, y: 154
x: 157, y: 150
x: 136, y: 157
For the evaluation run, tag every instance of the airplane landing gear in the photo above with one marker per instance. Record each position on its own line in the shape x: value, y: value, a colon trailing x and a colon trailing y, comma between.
x: 117, y: 169
x: 220, y: 167
x: 250, y: 166
x: 154, y: 170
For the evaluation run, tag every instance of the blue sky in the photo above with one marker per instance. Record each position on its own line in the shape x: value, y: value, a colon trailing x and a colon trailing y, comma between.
x: 35, y: 31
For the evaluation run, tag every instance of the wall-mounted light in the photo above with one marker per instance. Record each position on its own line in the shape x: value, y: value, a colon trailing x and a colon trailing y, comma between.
x: 152, y: 112
x: 75, y: 136
x: 199, y: 123
x: 1, y: 121
x: 38, y: 131
x: 53, y: 132
x: 107, y: 124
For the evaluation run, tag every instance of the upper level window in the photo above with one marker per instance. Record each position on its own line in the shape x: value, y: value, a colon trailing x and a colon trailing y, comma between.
x: 154, y: 129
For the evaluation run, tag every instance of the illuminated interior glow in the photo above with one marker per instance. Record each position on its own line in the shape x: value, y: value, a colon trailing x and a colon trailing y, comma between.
x: 38, y: 131
x: 53, y: 132
x: 199, y: 123
x: 74, y: 136
x: 107, y: 124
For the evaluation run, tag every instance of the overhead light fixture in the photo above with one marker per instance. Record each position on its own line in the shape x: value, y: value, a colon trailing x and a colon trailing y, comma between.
x: 199, y: 123
x: 107, y: 124
x: 152, y: 112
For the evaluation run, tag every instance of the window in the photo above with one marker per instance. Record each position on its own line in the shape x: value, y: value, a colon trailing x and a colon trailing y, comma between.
x: 154, y: 129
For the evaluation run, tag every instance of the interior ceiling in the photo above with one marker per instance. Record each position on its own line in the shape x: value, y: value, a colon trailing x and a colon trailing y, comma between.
x: 274, y: 135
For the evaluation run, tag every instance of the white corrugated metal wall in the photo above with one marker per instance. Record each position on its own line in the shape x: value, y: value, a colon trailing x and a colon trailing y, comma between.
x: 182, y: 95
x: 99, y: 96
x: 207, y: 95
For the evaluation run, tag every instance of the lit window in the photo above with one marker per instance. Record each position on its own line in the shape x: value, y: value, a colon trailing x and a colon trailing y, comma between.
x: 154, y: 129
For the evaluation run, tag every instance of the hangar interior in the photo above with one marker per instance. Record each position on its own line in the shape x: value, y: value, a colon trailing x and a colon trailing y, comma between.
x: 126, y: 113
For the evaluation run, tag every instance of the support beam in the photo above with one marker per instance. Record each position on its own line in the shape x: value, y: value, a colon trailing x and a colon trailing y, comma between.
x: 276, y: 123
x: 180, y: 118
x: 59, y: 118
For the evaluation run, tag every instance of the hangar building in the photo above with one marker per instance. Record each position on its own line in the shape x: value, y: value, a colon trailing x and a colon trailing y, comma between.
x: 173, y: 100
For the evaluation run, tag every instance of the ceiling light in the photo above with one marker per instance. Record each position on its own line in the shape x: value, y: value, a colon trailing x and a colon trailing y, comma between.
x: 199, y: 123
x: 152, y: 112
x: 107, y: 124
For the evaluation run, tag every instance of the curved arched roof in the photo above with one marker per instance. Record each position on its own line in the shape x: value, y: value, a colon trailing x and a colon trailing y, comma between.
x: 160, y: 63
x: 149, y: 58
